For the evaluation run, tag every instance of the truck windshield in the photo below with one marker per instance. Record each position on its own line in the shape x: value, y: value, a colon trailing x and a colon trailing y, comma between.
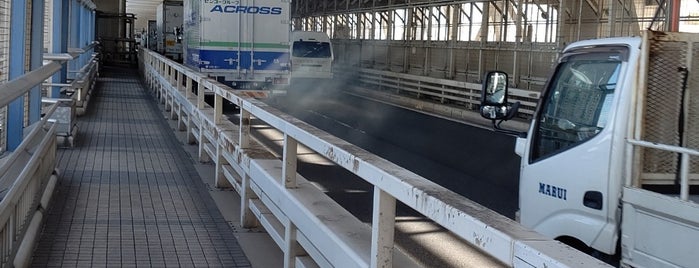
x: 307, y: 49
x: 577, y: 104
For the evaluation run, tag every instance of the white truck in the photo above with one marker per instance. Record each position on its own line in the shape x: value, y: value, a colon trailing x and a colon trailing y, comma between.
x: 311, y: 55
x: 168, y: 17
x: 242, y: 43
x: 609, y: 164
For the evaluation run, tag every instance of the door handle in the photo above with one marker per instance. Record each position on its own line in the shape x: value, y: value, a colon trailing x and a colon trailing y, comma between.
x: 593, y: 199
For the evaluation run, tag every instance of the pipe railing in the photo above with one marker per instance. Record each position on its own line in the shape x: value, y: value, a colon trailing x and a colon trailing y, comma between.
x: 27, y: 174
x: 445, y: 91
x: 682, y: 171
x: 304, y: 222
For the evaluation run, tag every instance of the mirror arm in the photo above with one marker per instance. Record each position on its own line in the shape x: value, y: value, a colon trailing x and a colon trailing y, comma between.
x: 510, y: 114
x: 496, y: 126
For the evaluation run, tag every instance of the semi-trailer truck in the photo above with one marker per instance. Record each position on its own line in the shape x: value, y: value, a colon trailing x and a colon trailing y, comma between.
x: 610, y: 161
x: 168, y: 16
x: 241, y: 43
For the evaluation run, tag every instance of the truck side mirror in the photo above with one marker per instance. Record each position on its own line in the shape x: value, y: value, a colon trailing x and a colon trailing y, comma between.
x: 494, y: 105
x: 494, y: 92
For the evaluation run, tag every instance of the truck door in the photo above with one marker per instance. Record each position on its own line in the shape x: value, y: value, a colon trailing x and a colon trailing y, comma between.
x: 565, y: 187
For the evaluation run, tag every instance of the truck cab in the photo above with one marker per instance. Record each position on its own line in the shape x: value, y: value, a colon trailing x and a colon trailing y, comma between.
x: 571, y: 169
x: 606, y: 161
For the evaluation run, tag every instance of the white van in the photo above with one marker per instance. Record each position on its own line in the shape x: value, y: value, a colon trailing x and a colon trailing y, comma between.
x: 311, y: 55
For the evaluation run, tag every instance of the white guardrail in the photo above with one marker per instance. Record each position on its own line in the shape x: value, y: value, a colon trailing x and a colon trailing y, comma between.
x: 27, y: 174
x: 295, y: 213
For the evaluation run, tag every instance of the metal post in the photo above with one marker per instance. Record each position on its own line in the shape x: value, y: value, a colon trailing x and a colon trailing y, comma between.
x: 166, y: 87
x: 292, y: 249
x: 36, y: 58
x: 59, y: 42
x: 611, y: 19
x: 518, y: 43
x: 244, y: 138
x: 247, y: 217
x: 81, y: 36
x: 453, y: 36
x: 389, y: 36
x: 484, y: 39
x: 218, y: 109
x: 382, y: 231
x: 172, y: 76
x: 684, y: 176
x: 74, y: 35
x: 219, y: 178
x: 673, y: 18
x: 427, y: 62
x: 200, y: 95
x: 203, y: 155
x: 188, y: 88
x: 290, y: 161
x: 408, y: 37
x: 179, y: 81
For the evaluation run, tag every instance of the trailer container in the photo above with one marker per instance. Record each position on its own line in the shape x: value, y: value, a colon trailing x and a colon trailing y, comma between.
x: 243, y: 44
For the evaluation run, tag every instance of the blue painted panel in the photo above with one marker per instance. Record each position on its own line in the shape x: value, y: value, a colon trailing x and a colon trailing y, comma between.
x: 222, y: 60
x: 74, y: 41
x: 15, y: 111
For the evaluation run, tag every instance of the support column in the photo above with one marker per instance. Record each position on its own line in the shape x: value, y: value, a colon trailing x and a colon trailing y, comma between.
x: 409, y: 37
x: 59, y: 41
x: 427, y: 61
x: 484, y: 39
x: 74, y: 35
x: 453, y: 39
x: 17, y: 65
x: 36, y: 58
x: 518, y: 43
x: 389, y: 38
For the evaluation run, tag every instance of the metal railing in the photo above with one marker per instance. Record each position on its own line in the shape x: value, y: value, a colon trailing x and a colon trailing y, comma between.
x: 27, y: 174
x: 288, y: 207
x: 445, y: 91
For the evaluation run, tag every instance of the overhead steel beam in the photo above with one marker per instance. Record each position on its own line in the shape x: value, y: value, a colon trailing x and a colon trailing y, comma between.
x: 593, y: 5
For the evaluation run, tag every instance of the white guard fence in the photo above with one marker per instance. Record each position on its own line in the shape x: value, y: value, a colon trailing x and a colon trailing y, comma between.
x: 457, y: 93
x: 309, y: 227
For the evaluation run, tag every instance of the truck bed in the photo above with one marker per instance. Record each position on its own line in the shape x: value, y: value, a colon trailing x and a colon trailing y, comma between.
x: 659, y: 230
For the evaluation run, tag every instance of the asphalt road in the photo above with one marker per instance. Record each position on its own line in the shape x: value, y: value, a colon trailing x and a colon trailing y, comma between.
x: 476, y: 163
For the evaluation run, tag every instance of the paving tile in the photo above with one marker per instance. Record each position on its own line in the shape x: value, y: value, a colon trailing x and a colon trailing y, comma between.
x: 129, y: 195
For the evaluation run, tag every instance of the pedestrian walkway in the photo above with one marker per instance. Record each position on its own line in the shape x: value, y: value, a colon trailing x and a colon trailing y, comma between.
x: 128, y: 195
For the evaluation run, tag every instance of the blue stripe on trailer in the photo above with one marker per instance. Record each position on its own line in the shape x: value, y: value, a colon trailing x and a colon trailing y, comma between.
x: 222, y: 60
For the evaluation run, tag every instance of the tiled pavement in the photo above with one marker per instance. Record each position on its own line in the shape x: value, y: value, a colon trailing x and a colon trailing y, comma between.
x: 128, y: 194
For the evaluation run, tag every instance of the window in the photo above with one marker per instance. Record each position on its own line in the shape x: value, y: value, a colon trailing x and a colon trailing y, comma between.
x: 306, y: 49
x: 577, y: 105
